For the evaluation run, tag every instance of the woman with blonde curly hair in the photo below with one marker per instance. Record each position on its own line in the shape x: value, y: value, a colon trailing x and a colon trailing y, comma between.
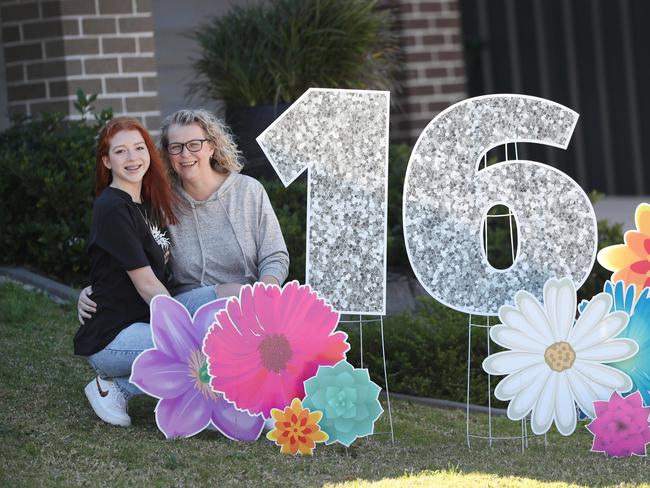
x: 227, y: 234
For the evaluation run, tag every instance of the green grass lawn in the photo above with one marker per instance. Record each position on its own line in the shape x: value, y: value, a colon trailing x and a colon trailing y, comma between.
x: 50, y: 436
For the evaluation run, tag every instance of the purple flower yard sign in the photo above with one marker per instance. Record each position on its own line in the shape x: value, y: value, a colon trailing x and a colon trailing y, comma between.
x: 175, y: 371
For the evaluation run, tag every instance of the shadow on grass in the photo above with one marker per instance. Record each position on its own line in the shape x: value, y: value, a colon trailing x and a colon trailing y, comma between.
x: 50, y: 436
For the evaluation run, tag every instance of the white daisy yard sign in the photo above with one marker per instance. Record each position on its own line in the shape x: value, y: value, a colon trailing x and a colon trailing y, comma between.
x: 554, y: 361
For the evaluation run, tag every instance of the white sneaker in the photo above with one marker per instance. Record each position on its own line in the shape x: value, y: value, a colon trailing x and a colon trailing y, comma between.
x: 108, y: 402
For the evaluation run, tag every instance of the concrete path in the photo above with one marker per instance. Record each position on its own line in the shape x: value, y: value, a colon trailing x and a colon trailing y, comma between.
x: 53, y: 288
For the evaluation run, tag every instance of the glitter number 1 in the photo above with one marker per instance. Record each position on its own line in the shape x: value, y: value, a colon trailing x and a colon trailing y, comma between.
x: 341, y: 138
x: 446, y: 198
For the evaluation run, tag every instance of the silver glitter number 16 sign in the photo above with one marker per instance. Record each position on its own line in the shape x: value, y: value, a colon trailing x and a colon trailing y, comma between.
x: 341, y: 136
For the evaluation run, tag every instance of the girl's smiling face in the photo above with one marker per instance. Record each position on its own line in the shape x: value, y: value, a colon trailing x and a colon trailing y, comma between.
x: 128, y: 159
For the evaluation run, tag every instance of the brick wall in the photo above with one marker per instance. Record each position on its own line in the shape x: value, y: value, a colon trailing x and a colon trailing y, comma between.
x: 433, y: 75
x: 53, y: 48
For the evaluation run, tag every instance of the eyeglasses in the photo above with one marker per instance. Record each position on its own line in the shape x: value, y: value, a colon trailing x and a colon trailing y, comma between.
x: 194, y: 145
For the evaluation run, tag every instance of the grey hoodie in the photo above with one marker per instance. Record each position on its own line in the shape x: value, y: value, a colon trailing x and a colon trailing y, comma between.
x: 232, y: 237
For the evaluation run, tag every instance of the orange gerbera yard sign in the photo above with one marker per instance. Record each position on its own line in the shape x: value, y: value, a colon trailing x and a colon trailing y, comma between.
x: 630, y: 262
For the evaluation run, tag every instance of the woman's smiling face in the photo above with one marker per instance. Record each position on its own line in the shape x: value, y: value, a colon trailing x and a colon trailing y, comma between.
x: 189, y: 165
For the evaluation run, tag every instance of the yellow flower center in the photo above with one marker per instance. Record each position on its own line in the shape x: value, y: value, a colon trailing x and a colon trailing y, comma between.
x: 198, y: 370
x: 560, y: 356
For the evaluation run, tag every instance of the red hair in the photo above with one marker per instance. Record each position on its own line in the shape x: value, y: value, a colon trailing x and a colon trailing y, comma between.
x: 155, y: 185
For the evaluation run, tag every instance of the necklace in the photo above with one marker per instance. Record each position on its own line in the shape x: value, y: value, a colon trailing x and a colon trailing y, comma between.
x: 159, y: 236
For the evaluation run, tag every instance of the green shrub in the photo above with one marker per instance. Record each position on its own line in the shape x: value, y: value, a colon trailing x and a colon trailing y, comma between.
x: 272, y: 52
x: 47, y: 166
x: 608, y: 235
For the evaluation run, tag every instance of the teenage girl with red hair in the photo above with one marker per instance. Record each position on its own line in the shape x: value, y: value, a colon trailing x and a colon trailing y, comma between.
x: 127, y: 261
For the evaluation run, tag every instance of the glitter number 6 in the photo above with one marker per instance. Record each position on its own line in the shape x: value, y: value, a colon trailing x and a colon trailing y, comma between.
x: 446, y: 198
x: 341, y: 138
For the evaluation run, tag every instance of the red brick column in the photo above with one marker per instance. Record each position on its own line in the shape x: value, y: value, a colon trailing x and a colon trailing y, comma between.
x: 433, y: 75
x: 53, y: 48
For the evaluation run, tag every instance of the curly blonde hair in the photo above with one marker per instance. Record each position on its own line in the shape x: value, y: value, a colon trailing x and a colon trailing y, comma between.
x: 226, y: 157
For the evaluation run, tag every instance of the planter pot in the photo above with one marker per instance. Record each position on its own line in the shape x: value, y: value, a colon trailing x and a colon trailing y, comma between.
x: 246, y: 124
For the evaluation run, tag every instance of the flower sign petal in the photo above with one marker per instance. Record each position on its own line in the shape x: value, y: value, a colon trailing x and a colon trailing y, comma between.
x: 517, y: 320
x: 233, y: 423
x: 204, y: 316
x: 621, y: 427
x: 175, y: 371
x: 525, y: 399
x: 534, y: 313
x: 159, y: 375
x: 507, y: 362
x: 610, y: 351
x: 565, y: 411
x: 638, y: 330
x: 268, y: 342
x: 560, y: 363
x: 183, y: 416
x: 296, y: 429
x: 348, y: 400
x: 630, y: 262
x: 642, y: 218
x: 595, y: 311
x: 171, y: 327
x: 560, y: 305
x: 512, y: 385
x: 637, y: 333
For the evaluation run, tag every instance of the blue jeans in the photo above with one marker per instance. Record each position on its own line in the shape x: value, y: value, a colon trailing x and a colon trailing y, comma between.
x: 116, y: 359
x: 193, y: 299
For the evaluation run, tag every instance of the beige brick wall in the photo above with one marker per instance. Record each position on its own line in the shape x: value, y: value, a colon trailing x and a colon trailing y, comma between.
x: 53, y: 48
x: 433, y: 75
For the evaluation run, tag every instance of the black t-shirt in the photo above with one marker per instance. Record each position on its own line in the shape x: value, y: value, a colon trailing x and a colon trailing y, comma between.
x: 120, y: 240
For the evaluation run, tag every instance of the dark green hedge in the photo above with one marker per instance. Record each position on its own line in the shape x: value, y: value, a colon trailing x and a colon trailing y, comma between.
x: 47, y: 173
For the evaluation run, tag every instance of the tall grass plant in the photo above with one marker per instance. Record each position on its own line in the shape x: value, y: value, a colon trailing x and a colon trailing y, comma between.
x: 272, y: 52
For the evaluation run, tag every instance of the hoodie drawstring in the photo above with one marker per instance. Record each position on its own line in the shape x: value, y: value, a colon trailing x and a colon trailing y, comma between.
x: 198, y: 232
x: 247, y: 272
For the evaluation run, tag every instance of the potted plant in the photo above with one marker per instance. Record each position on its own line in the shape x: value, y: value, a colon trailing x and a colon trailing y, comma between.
x: 260, y: 58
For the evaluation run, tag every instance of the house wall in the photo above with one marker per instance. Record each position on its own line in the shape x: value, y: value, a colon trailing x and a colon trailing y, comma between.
x: 54, y: 48
x: 175, y: 50
x: 433, y: 74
